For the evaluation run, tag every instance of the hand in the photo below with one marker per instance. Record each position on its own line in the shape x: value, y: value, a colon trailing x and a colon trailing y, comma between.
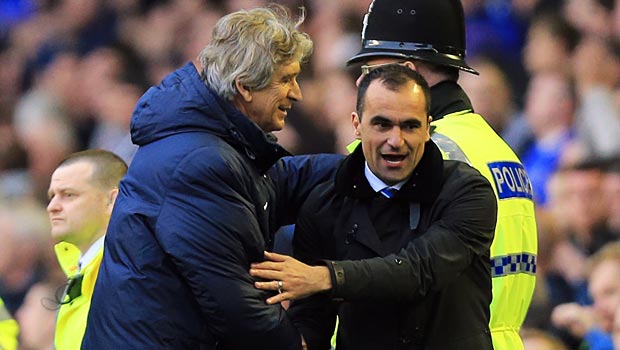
x: 298, y: 280
x: 577, y: 319
x: 569, y: 262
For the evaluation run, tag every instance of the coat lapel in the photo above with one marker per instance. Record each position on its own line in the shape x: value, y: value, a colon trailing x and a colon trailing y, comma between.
x: 355, y: 228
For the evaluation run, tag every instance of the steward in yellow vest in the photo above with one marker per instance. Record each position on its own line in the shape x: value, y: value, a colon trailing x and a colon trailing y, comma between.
x: 75, y: 303
x: 82, y: 193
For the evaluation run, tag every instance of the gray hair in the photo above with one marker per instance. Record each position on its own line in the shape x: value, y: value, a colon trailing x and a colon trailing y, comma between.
x: 248, y: 45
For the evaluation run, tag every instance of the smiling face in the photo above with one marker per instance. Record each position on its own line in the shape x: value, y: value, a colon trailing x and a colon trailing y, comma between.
x: 78, y: 210
x: 393, y: 127
x: 269, y: 106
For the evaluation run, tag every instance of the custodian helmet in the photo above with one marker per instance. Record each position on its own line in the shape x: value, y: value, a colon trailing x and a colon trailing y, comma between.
x: 428, y: 30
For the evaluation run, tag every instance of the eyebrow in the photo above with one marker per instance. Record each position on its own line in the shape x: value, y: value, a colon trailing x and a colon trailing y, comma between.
x: 383, y: 119
x: 290, y: 75
x: 50, y: 192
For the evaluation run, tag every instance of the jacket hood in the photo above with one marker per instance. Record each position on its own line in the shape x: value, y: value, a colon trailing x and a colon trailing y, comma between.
x: 183, y: 103
x: 180, y: 103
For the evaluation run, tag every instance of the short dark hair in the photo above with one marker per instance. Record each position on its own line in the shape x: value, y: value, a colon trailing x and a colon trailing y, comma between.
x: 393, y: 77
x: 108, y: 170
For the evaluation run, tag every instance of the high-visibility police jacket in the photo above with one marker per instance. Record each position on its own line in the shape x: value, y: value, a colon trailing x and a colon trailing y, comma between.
x: 73, y: 312
x: 464, y: 135
x: 8, y: 329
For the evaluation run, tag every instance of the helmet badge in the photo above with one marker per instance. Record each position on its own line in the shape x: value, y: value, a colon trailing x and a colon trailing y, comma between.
x: 365, y: 23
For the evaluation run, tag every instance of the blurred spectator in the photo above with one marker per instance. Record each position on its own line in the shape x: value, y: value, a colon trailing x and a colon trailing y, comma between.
x: 491, y: 96
x: 596, y: 64
x: 549, y: 45
x: 549, y: 235
x: 549, y: 111
x: 611, y: 195
x: 496, y: 29
x: 48, y: 116
x: 578, y: 212
x: 12, y: 12
x: 537, y: 339
x: 590, y: 16
x: 114, y: 108
x: 560, y: 283
x: 338, y: 102
x: 37, y: 317
x: 586, y: 210
x: 595, y: 324
x: 112, y: 83
x: 14, y: 182
x: 615, y: 333
x: 23, y: 252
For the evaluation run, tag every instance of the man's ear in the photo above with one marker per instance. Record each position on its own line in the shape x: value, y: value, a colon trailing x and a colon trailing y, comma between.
x: 410, y: 65
x: 355, y: 120
x: 428, y: 128
x: 111, y: 199
x: 244, y: 91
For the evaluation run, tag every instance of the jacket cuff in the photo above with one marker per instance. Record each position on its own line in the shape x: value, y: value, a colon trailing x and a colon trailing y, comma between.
x: 337, y: 276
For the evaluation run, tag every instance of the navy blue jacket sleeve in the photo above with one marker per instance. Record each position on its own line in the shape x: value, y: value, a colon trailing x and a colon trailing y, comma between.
x: 295, y: 177
x: 315, y: 316
x: 208, y: 226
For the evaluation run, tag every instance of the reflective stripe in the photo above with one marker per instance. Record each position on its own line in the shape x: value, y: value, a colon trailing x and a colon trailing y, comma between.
x: 449, y: 148
x: 512, y: 264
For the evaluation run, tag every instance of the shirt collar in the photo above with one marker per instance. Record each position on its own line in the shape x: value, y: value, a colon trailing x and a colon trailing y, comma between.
x: 376, y: 183
x: 91, y: 253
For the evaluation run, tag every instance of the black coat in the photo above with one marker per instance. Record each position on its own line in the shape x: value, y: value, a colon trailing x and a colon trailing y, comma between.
x: 435, y: 294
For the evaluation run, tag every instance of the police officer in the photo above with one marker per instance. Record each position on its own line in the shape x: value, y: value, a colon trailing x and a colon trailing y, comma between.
x: 429, y: 36
x: 8, y: 329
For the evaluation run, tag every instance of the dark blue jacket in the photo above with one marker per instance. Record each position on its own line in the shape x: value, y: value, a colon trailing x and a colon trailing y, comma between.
x: 201, y: 201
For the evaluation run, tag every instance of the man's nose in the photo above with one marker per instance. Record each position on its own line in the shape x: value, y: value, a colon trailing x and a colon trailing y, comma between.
x: 295, y: 92
x: 395, y: 138
x: 53, y: 205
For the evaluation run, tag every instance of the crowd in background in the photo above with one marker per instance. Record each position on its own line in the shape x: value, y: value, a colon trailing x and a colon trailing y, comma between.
x: 71, y: 72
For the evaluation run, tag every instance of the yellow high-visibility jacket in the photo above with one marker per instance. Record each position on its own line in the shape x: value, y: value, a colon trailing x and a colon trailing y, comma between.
x: 8, y: 329
x: 73, y: 312
x: 466, y: 136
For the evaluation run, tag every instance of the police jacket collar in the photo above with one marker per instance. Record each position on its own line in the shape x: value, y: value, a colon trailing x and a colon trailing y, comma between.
x: 448, y: 97
x: 424, y: 184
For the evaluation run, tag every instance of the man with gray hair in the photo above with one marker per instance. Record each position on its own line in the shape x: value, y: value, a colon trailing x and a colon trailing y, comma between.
x: 204, y: 195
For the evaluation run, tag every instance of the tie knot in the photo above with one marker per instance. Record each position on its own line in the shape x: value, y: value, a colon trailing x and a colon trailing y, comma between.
x: 388, y: 192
